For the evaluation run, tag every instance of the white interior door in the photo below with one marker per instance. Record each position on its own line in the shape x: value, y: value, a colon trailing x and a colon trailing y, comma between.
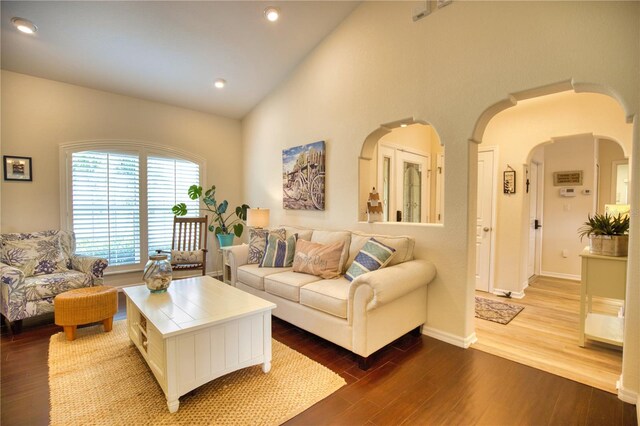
x: 486, y: 184
x: 532, y: 260
x: 440, y: 189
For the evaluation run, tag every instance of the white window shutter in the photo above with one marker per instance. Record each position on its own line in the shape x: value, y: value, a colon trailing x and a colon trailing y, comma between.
x: 168, y: 181
x: 106, y: 207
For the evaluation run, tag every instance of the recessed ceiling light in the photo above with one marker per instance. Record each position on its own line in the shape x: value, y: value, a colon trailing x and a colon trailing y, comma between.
x: 403, y: 125
x: 220, y: 83
x: 24, y: 25
x: 271, y: 13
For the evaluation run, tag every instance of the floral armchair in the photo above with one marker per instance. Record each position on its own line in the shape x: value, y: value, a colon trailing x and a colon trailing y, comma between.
x: 35, y: 267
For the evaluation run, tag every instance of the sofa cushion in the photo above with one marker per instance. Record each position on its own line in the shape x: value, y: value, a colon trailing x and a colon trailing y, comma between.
x: 279, y: 253
x: 258, y: 242
x: 372, y: 256
x: 329, y: 237
x: 44, y: 286
x: 36, y: 256
x: 253, y: 275
x: 328, y: 296
x: 322, y: 260
x: 303, y: 233
x: 401, y: 243
x: 287, y: 284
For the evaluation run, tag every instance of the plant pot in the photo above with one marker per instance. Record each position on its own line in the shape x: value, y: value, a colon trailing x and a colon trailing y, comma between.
x: 609, y: 245
x: 225, y: 239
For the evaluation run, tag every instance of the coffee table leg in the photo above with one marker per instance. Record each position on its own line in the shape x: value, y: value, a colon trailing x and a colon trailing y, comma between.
x: 173, y: 405
x: 266, y: 320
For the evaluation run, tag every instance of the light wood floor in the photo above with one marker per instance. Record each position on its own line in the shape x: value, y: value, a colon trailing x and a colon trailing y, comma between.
x: 545, y: 335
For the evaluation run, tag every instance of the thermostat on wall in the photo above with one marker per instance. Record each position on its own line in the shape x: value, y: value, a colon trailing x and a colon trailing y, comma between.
x: 567, y: 192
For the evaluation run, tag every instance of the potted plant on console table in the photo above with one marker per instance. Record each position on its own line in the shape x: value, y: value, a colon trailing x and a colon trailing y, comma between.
x: 225, y: 228
x: 608, y: 234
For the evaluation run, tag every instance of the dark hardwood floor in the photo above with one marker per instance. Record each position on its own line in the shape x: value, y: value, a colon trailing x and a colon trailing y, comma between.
x: 414, y: 381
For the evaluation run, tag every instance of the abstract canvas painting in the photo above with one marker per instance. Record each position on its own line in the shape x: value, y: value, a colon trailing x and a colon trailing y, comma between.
x: 303, y: 177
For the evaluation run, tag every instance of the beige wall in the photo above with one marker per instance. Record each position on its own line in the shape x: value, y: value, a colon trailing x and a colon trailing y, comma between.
x: 38, y: 115
x: 446, y: 69
x: 564, y: 215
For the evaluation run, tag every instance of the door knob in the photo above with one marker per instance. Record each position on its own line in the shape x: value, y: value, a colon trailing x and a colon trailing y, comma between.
x: 486, y: 229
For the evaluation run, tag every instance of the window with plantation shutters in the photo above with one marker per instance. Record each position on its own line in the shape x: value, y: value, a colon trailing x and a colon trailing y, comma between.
x: 117, y: 198
x: 168, y: 181
x: 106, y: 206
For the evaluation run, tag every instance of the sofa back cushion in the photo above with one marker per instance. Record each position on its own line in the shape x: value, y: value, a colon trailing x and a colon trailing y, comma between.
x: 303, y: 233
x: 321, y: 260
x: 35, y: 254
x: 330, y: 237
x: 402, y: 244
x: 67, y: 238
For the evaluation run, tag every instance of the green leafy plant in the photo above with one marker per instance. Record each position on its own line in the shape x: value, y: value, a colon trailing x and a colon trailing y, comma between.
x: 604, y: 224
x: 220, y: 224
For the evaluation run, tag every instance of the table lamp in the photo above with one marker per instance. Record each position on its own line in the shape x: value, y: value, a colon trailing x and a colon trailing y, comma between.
x: 258, y: 218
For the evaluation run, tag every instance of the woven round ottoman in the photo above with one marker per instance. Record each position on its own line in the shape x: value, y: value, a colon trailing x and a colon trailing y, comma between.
x: 85, y: 305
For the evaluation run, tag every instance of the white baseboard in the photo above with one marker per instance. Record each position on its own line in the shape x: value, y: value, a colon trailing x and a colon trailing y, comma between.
x: 461, y: 342
x: 514, y: 294
x: 627, y: 395
x: 560, y: 275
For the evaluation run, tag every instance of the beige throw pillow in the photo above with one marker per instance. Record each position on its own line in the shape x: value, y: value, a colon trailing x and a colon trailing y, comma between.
x: 322, y: 260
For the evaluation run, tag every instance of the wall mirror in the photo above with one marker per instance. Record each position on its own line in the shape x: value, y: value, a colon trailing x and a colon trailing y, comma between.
x: 404, y: 162
x: 613, y: 174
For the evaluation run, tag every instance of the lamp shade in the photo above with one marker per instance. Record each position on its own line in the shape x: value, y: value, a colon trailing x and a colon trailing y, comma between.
x: 258, y: 218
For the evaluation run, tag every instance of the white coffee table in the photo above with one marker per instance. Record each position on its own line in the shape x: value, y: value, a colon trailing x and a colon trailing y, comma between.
x: 200, y: 329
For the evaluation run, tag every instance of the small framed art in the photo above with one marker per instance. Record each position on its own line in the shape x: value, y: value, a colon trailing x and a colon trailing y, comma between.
x: 17, y: 168
x: 509, y: 182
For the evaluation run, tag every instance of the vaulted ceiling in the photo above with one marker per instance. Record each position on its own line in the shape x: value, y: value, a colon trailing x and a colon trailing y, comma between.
x: 169, y: 52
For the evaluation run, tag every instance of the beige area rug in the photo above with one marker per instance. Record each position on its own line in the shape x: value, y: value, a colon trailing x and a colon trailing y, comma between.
x: 492, y: 310
x: 101, y: 379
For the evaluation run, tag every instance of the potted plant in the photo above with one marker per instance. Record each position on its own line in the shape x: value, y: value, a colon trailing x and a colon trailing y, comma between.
x: 224, y: 227
x: 608, y: 234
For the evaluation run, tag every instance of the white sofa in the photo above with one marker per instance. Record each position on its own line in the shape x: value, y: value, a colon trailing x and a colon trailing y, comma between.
x: 362, y: 315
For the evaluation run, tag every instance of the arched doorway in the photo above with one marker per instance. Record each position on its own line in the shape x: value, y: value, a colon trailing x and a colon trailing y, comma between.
x: 513, y: 127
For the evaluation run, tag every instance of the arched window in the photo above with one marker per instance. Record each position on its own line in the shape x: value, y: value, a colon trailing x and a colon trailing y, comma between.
x: 117, y: 198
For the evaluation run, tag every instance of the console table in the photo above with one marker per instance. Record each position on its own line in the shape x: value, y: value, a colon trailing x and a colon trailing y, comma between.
x: 602, y: 276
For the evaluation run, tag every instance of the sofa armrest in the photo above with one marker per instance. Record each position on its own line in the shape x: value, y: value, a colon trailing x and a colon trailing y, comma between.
x: 10, y: 276
x: 238, y: 256
x: 12, y: 292
x: 388, y: 284
x: 90, y: 265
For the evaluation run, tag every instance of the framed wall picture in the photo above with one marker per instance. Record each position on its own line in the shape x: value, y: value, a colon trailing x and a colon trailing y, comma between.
x: 17, y: 168
x: 510, y: 182
x: 303, y: 177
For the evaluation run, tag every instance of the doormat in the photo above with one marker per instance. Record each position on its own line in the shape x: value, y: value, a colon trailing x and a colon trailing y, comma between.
x: 492, y: 310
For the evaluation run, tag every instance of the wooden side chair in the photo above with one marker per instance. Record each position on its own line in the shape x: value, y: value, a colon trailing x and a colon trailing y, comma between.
x: 189, y: 244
